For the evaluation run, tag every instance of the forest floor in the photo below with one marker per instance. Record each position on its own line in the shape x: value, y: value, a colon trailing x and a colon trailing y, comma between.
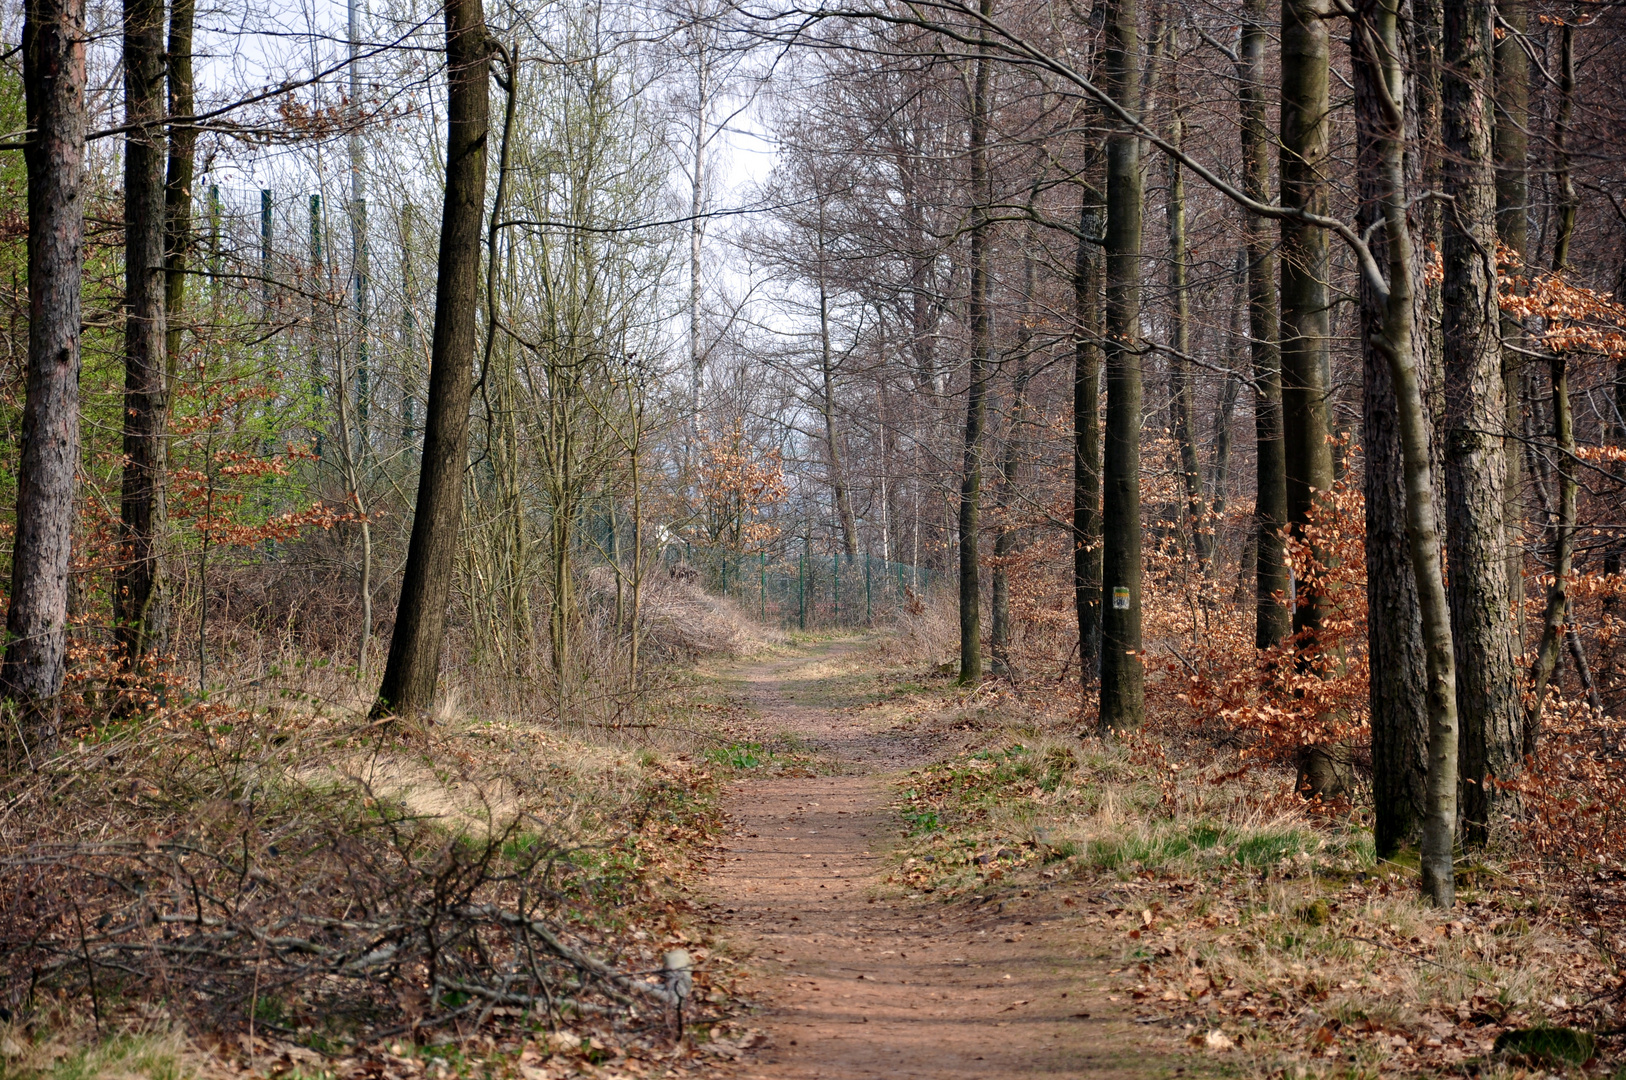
x: 920, y: 880
x: 856, y: 980
x: 880, y: 873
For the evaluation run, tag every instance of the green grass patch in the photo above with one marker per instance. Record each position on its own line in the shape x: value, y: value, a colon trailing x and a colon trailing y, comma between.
x: 740, y: 756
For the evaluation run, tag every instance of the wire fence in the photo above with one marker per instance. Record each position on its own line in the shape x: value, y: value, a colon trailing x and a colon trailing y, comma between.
x: 807, y: 590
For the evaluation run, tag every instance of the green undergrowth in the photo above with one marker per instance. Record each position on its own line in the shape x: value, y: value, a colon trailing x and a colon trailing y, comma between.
x: 1070, y: 809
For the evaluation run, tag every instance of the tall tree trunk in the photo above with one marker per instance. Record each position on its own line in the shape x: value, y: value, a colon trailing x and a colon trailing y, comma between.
x: 1220, y: 470
x: 976, y: 407
x: 698, y: 179
x: 1568, y: 202
x: 1397, y: 693
x: 1273, y: 620
x: 420, y: 619
x: 1553, y: 617
x: 1475, y: 466
x: 1305, y: 263
x: 1379, y: 62
x: 1426, y: 32
x: 1087, y: 436
x: 827, y: 406
x: 1183, y: 401
x: 1123, y: 696
x: 36, y: 624
x: 1510, y: 145
x: 177, y: 223
x: 1005, y: 536
x: 135, y: 582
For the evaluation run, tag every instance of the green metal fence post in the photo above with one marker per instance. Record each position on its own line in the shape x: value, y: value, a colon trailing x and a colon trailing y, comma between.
x: 801, y: 591
x: 763, y: 602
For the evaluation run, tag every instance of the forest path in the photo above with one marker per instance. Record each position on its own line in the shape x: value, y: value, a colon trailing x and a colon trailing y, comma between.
x: 858, y: 985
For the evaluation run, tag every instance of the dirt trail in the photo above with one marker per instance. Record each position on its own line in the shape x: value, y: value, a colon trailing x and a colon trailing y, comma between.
x: 857, y: 987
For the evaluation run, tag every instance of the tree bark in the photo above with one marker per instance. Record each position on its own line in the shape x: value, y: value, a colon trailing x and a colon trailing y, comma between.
x: 1123, y: 700
x: 1379, y: 68
x: 1087, y: 438
x: 1397, y: 691
x: 36, y: 624
x: 1556, y: 610
x: 1475, y: 466
x: 178, y: 242
x: 1510, y: 145
x: 827, y: 406
x: 1273, y: 619
x: 413, y: 666
x: 135, y: 582
x: 976, y: 408
x: 1006, y: 536
x: 1220, y: 469
x: 1305, y: 264
x: 1554, y: 614
x: 1568, y: 202
x: 1183, y: 400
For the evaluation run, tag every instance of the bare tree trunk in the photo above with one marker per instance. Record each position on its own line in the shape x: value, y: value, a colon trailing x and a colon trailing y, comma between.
x: 1475, y: 466
x: 1005, y: 536
x: 1087, y: 437
x: 140, y: 506
x: 976, y: 394
x: 1553, y: 617
x: 420, y: 620
x: 178, y: 241
x: 1182, y: 397
x: 1380, y: 69
x: 1568, y: 202
x: 1273, y: 619
x: 1123, y: 698
x: 1510, y: 146
x: 1398, y: 689
x: 827, y: 406
x: 1306, y: 370
x: 1220, y: 470
x: 697, y: 235
x: 36, y: 624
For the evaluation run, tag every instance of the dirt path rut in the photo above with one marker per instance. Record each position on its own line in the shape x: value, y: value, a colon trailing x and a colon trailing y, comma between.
x: 859, y: 987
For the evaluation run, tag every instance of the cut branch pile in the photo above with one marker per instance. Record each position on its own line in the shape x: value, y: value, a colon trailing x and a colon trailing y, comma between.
x: 203, y: 870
